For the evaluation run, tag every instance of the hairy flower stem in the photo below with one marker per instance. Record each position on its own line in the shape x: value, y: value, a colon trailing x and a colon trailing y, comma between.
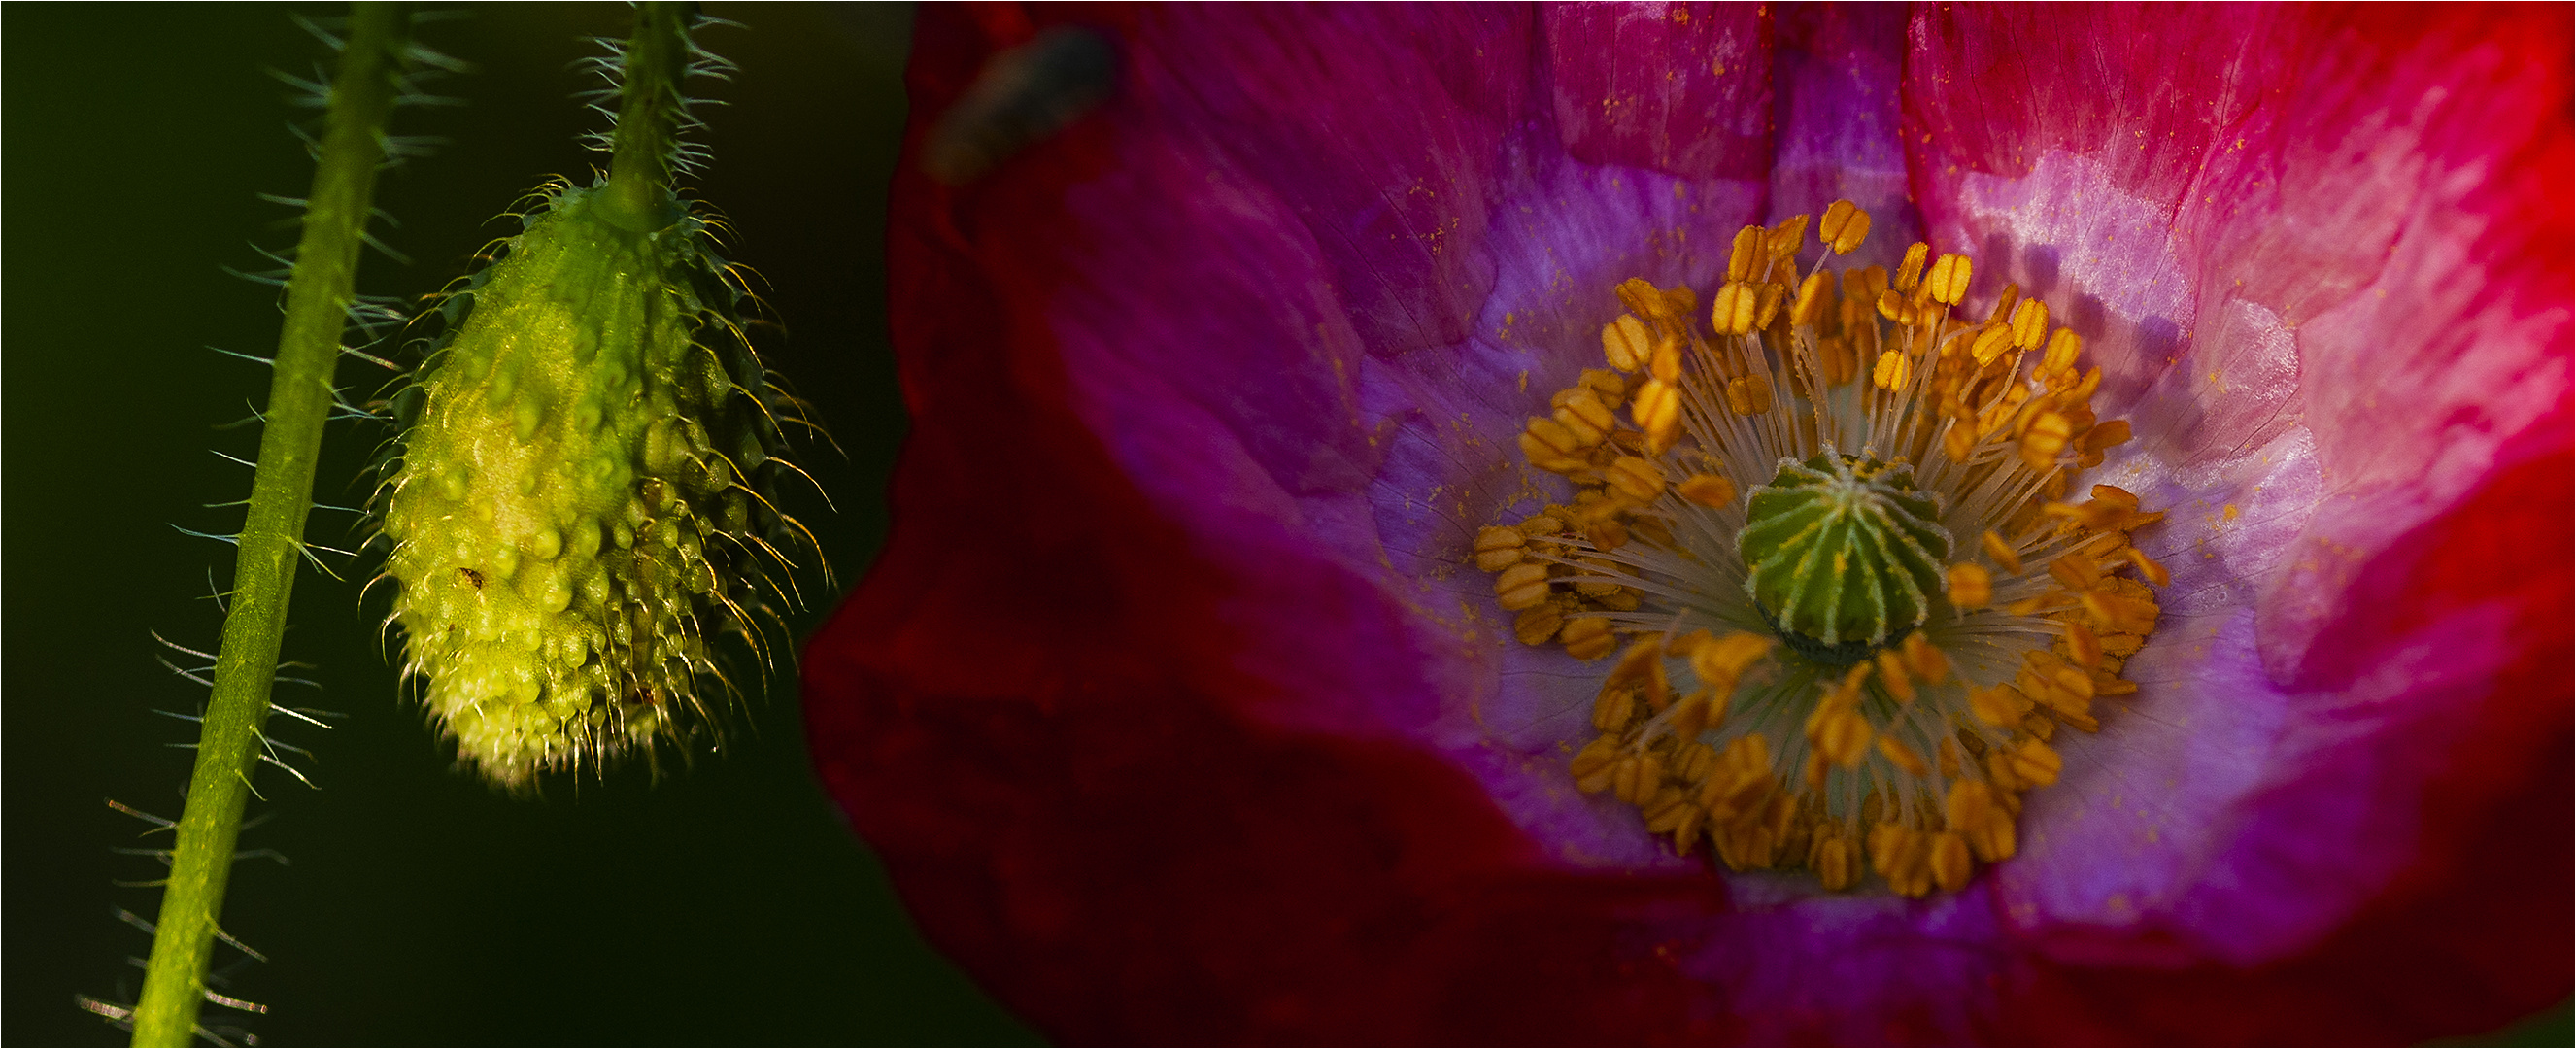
x: 649, y: 111
x: 271, y: 541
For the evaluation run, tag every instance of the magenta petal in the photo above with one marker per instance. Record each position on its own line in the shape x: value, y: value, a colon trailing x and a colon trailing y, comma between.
x: 1244, y: 358
x: 2318, y: 309
x: 1674, y: 89
x: 1839, y: 72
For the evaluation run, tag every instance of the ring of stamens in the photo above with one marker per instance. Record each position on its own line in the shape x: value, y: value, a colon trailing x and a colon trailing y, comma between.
x: 1910, y: 759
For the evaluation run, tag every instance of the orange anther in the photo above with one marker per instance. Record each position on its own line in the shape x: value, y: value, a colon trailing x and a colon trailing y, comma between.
x: 1814, y: 294
x: 1892, y: 305
x: 1708, y: 490
x: 2045, y: 440
x: 2005, y: 304
x: 2082, y: 645
x: 1554, y: 434
x: 2062, y: 350
x: 1627, y: 342
x: 1546, y: 456
x: 2029, y: 324
x: 2148, y: 567
x: 1891, y: 673
x: 2105, y: 435
x: 1893, y: 371
x: 1845, y: 225
x: 1721, y: 663
x: 1497, y: 548
x: 1637, y: 777
x: 1949, y: 862
x: 1635, y: 477
x: 1747, y: 253
x: 1786, y: 237
x: 1606, y: 533
x: 1533, y: 626
x: 1658, y: 411
x: 2000, y: 552
x: 1664, y: 304
x: 2078, y: 573
x: 1949, y: 279
x: 2034, y: 763
x: 1904, y: 757
x: 1990, y: 344
x: 1909, y: 273
x: 1586, y: 417
x: 1738, y: 306
x: 1521, y: 586
x: 1843, y: 738
x: 2000, y: 705
x: 1768, y: 305
x: 1835, y: 865
x: 1592, y: 766
x: 1588, y: 638
x: 1924, y: 659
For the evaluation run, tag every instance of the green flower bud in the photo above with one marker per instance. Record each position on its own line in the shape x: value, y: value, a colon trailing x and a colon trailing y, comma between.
x: 580, y: 503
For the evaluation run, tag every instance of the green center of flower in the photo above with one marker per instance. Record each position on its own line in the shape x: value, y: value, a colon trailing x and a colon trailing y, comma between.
x: 1844, y: 553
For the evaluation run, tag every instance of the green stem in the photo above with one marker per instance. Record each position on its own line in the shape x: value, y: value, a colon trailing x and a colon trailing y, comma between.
x: 649, y: 111
x: 272, y: 539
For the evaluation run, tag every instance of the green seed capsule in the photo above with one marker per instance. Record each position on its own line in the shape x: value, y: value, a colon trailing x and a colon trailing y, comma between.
x: 1845, y: 554
x: 563, y: 447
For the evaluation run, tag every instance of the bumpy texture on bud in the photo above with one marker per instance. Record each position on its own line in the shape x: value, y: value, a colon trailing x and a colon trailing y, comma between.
x: 581, y: 495
x: 1845, y: 553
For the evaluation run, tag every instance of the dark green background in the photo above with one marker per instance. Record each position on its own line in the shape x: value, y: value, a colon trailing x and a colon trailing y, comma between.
x: 723, y: 905
x: 726, y: 904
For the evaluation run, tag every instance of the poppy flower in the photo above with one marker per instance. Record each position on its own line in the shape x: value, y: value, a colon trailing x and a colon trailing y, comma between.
x: 1354, y: 510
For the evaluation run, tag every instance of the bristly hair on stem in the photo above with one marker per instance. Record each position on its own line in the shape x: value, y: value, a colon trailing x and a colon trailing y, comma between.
x: 319, y: 295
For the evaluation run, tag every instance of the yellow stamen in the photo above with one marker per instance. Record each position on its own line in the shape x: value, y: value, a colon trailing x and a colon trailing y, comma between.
x: 2148, y: 567
x: 1949, y: 279
x: 1835, y: 864
x: 1925, y: 659
x: 1521, y: 586
x: 1891, y: 673
x: 1658, y: 412
x: 1748, y: 250
x: 1636, y: 478
x: 1844, y: 227
x: 1533, y: 626
x: 1973, y: 813
x: 1497, y: 548
x: 1588, y: 638
x: 1627, y: 343
x: 1903, y: 756
x: 1893, y: 371
x: 1787, y: 237
x: 1708, y: 490
x: 2082, y: 645
x: 2000, y: 552
x: 1912, y: 754
x: 1949, y: 862
x: 1910, y: 272
x: 1970, y: 586
x: 2029, y: 324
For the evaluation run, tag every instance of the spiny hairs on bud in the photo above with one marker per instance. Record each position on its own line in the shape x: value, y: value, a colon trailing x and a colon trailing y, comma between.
x: 581, y: 502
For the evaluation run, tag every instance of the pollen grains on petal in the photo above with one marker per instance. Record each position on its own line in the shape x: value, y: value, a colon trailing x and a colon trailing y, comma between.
x: 1825, y: 562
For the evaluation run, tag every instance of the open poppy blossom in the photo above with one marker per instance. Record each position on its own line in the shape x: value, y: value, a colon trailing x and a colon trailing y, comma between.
x: 1621, y: 524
